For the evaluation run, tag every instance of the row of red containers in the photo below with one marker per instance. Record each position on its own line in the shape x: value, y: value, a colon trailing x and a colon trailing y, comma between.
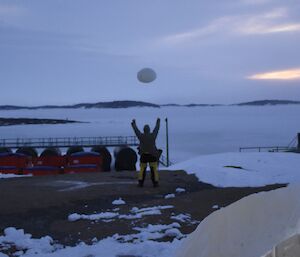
x: 14, y: 163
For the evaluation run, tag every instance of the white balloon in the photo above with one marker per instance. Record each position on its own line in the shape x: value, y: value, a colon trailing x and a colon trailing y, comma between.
x: 146, y: 75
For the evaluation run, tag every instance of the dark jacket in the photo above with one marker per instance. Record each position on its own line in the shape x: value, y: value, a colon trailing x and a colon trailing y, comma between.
x: 147, y: 140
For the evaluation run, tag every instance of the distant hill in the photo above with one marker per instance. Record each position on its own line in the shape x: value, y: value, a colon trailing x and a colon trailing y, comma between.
x: 201, y: 105
x: 268, y: 102
x: 26, y: 121
x: 189, y: 105
x: 171, y: 105
x: 128, y: 104
x: 113, y: 104
x: 121, y: 104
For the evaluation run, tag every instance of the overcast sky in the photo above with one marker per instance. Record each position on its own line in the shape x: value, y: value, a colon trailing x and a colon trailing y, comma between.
x: 204, y: 51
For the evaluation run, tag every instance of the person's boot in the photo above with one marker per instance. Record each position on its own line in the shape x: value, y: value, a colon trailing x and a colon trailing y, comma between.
x: 155, y: 184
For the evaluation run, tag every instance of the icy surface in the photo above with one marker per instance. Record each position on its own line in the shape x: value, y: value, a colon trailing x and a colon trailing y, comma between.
x: 249, y: 227
x: 193, y: 131
x: 258, y: 169
x: 3, y: 176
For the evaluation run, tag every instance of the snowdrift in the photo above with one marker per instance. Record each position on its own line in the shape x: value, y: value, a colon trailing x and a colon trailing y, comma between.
x: 244, y: 169
x: 248, y: 228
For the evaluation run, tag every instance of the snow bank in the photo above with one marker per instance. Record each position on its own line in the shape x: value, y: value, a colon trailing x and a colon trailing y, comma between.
x: 244, y: 169
x: 24, y: 241
x: 249, y: 227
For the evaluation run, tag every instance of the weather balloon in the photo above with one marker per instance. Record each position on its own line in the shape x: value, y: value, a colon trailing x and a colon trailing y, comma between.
x: 146, y: 75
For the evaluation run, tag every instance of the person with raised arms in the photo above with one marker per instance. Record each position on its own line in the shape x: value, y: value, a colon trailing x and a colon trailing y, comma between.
x: 148, y: 152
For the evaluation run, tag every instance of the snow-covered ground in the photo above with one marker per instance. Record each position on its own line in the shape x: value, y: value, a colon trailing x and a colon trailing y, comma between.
x: 193, y: 131
x: 139, y: 243
x: 109, y: 247
x: 244, y: 169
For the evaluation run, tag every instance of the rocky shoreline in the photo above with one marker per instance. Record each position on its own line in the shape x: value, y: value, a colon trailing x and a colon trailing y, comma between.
x: 32, y: 121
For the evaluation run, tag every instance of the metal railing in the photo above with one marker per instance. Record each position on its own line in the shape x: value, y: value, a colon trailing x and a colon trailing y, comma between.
x: 293, y: 146
x: 269, y: 148
x: 64, y: 142
x: 164, y: 161
x: 109, y: 141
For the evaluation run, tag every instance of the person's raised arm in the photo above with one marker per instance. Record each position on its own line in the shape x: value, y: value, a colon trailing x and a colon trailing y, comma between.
x: 156, y: 129
x: 135, y: 128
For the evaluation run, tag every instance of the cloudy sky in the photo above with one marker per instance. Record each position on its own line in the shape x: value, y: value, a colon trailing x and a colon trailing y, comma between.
x: 204, y: 51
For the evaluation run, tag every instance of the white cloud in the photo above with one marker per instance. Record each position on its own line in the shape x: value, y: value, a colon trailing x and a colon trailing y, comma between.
x: 209, y: 29
x: 267, y: 23
x: 267, y: 29
x: 274, y: 21
x: 290, y: 74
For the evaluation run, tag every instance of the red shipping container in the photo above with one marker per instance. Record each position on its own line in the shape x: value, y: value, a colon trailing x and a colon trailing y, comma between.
x: 84, y: 158
x: 9, y: 170
x: 19, y: 161
x: 51, y: 161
